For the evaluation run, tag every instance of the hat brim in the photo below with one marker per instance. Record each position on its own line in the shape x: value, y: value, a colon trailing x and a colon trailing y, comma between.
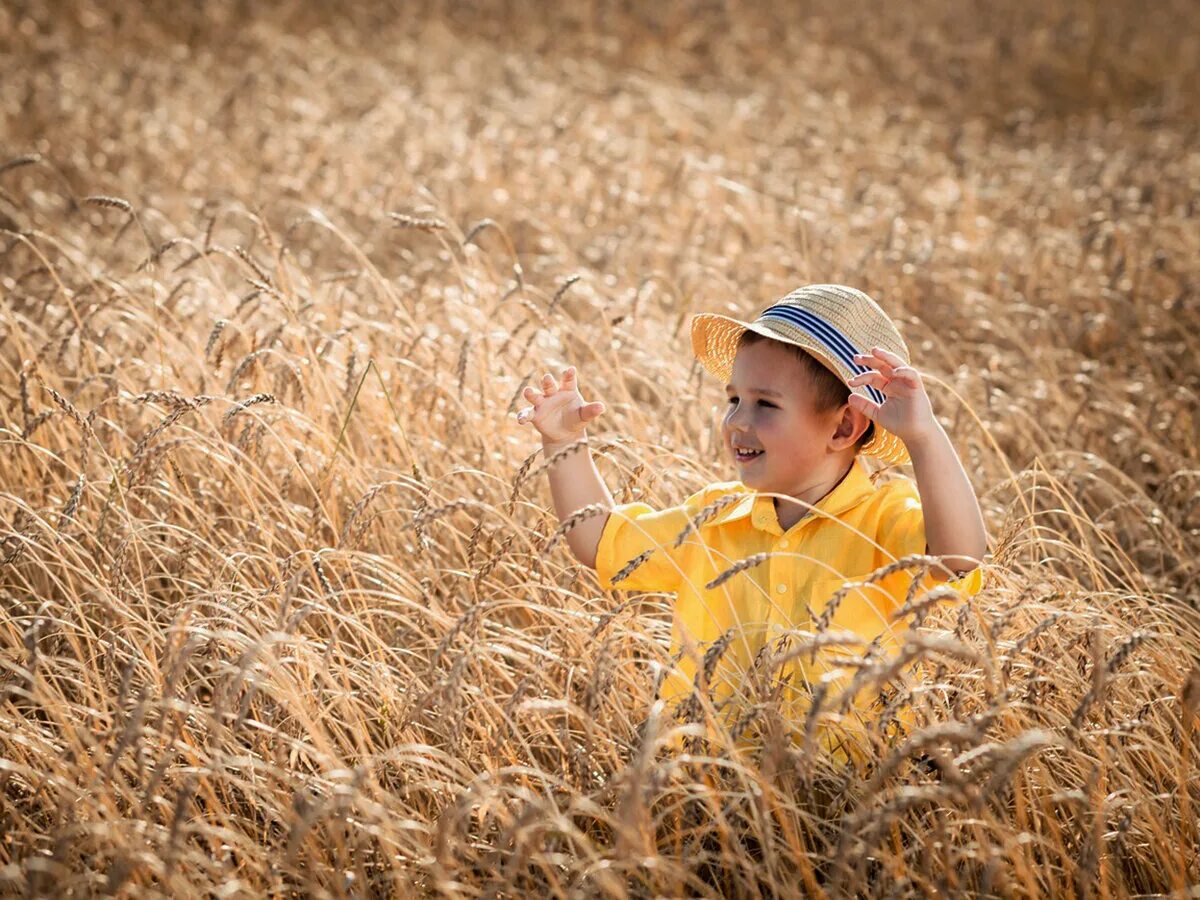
x: 714, y: 343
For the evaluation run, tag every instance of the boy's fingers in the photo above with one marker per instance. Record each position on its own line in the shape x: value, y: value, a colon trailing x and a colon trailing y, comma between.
x: 568, y: 376
x: 533, y: 395
x: 874, y: 361
x: 590, y: 411
x: 874, y: 379
x: 549, y: 385
x: 889, y: 357
x: 907, y: 375
x: 867, y: 407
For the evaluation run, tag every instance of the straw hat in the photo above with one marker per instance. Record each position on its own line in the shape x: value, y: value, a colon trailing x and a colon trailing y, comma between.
x: 832, y: 322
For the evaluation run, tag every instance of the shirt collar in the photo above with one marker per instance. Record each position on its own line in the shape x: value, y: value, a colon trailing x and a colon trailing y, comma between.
x: 852, y: 489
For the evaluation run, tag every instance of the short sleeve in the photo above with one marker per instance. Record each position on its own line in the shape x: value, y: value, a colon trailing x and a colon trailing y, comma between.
x: 636, y: 528
x: 902, y: 533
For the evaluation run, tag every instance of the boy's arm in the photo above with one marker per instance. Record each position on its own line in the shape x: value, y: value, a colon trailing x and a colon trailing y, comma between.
x: 561, y: 416
x: 574, y: 483
x: 954, y: 526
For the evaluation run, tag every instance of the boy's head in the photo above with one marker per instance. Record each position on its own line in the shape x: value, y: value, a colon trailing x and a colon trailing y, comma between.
x: 800, y: 348
x: 782, y: 403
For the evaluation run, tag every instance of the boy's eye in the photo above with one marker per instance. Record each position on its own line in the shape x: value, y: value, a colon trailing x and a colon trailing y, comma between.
x: 760, y: 402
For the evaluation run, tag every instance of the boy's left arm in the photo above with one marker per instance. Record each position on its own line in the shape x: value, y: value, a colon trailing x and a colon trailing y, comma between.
x: 954, y: 528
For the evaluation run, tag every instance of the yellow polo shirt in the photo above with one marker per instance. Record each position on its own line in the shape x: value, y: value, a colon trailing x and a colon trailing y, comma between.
x: 855, y: 529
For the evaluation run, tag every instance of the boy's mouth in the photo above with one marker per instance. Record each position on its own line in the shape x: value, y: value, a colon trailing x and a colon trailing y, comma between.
x: 744, y: 454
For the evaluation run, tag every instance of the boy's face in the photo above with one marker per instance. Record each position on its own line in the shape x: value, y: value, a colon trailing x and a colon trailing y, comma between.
x: 783, y: 423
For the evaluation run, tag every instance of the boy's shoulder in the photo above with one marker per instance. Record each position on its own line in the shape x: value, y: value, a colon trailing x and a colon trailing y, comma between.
x: 894, y: 487
x: 709, y: 494
x: 715, y: 491
x: 893, y: 503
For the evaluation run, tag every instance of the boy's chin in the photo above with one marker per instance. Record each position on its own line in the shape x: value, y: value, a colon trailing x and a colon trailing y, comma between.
x: 748, y: 478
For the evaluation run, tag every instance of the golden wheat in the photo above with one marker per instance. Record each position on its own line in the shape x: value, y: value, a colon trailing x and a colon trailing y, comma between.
x: 324, y: 651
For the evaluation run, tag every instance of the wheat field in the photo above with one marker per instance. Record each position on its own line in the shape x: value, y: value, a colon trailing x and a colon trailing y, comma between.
x: 284, y: 606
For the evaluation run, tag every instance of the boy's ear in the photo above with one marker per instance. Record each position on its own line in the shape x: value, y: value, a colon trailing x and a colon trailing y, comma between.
x: 850, y: 427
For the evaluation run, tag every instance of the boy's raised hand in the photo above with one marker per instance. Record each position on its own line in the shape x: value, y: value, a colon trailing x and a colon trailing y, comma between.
x: 559, y: 412
x: 905, y: 411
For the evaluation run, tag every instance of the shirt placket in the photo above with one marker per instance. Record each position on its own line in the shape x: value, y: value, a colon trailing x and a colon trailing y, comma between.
x: 783, y: 581
x: 780, y: 585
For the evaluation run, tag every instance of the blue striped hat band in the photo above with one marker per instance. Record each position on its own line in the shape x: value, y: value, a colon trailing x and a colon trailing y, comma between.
x: 826, y: 335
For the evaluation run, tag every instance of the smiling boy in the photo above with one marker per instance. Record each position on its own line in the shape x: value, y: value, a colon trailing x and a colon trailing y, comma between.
x: 820, y: 379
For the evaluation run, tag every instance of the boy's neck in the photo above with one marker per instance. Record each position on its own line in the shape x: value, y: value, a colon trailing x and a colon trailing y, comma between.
x: 789, y: 513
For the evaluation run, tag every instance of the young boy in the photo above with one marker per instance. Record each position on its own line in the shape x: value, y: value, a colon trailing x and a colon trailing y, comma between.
x: 819, y: 379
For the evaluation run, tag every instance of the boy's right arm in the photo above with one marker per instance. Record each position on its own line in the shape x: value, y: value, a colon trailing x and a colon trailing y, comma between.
x: 575, y: 483
x: 560, y: 414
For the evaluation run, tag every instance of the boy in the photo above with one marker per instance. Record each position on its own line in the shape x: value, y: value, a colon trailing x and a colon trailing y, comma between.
x: 818, y: 379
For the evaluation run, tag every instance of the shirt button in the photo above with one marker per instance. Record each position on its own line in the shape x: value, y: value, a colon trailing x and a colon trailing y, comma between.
x: 781, y: 588
x: 783, y: 544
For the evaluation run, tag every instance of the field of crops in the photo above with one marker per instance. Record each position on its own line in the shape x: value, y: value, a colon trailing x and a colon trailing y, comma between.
x: 283, y: 605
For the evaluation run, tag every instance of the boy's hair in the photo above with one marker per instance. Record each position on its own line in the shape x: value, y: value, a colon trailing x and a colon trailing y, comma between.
x: 829, y: 391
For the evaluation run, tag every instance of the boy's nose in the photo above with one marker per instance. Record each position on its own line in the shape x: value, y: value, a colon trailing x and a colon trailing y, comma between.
x: 734, y: 429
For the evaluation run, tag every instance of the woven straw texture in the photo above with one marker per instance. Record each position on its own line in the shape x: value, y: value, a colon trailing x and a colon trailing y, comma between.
x: 853, y: 313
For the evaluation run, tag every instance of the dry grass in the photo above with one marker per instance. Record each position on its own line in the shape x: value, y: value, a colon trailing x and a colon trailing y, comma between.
x: 278, y: 613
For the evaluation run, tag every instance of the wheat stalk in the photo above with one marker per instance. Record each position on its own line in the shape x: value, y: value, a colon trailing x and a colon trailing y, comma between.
x: 242, y: 405
x: 740, y: 566
x: 214, y: 335
x: 403, y: 220
x: 17, y: 162
x: 558, y: 295
x: 109, y: 203
x: 632, y: 565
x: 707, y: 513
x: 580, y: 515
x: 423, y: 518
x: 266, y: 282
